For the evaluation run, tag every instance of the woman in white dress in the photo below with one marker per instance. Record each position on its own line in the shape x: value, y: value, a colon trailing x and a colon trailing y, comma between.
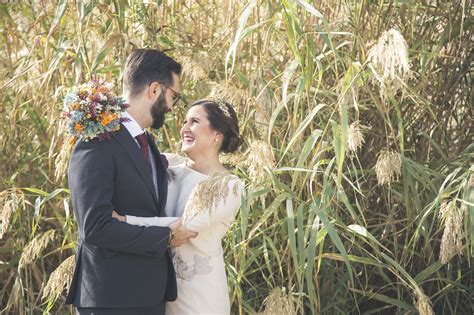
x: 204, y: 197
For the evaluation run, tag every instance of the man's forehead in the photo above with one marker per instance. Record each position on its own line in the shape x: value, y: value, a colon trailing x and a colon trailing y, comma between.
x: 176, y: 82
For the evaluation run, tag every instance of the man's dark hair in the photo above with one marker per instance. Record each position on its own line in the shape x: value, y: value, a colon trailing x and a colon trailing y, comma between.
x: 144, y: 66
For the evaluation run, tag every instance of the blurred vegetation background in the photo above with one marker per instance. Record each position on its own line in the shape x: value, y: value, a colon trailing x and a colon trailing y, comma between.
x: 358, y: 125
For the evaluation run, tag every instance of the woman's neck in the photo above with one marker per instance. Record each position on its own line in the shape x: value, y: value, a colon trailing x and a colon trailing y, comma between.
x: 206, y: 165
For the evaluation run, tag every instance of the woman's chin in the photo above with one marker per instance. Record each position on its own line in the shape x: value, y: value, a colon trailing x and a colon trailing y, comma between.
x: 186, y: 149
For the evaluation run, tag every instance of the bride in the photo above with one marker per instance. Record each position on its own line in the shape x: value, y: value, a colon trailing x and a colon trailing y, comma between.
x: 203, y: 197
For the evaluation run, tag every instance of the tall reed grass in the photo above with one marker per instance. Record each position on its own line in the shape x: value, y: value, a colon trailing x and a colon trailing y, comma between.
x: 358, y: 154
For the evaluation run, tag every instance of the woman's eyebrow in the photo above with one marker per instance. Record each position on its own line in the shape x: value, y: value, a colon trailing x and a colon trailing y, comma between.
x: 192, y: 117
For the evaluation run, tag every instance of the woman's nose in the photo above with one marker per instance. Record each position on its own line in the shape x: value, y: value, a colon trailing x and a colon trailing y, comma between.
x: 184, y: 128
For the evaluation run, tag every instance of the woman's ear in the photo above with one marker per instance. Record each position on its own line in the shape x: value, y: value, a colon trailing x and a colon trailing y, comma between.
x: 219, y: 137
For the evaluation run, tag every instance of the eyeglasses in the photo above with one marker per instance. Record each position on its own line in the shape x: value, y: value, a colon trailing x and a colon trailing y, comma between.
x: 176, y: 95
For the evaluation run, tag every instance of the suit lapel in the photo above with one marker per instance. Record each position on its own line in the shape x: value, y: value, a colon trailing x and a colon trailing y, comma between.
x: 162, y: 179
x: 131, y: 147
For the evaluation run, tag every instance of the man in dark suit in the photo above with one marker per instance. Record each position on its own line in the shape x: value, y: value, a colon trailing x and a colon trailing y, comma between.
x: 122, y: 268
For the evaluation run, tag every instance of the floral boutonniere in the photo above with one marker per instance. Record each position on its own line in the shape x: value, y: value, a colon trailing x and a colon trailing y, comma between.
x: 93, y: 111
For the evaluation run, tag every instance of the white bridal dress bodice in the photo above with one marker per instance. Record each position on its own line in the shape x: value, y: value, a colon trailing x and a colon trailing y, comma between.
x: 208, y: 205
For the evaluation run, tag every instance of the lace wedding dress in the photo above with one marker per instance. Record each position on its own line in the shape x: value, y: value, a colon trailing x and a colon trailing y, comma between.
x: 208, y: 205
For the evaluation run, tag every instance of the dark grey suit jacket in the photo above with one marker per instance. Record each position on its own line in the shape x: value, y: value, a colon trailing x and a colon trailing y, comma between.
x: 118, y: 265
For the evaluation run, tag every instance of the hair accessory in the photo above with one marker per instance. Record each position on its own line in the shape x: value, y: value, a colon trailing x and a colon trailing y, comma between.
x: 223, y: 107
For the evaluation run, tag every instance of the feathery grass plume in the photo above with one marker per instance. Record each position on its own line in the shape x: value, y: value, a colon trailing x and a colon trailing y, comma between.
x: 388, y: 167
x: 423, y: 304
x: 279, y: 302
x: 10, y: 202
x: 259, y: 155
x: 451, y: 241
x: 233, y: 159
x: 35, y: 247
x: 194, y: 68
x: 60, y: 278
x: 15, y: 298
x: 229, y: 93
x: 62, y: 159
x: 355, y: 138
x: 389, y: 57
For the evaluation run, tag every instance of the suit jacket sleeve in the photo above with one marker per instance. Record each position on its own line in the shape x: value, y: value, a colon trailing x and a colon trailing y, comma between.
x: 91, y: 180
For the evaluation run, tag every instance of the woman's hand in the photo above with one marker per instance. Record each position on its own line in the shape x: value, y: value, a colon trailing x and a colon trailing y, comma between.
x: 179, y: 234
x: 119, y: 217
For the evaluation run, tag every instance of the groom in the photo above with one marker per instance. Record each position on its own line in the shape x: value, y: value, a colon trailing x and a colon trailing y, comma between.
x: 122, y: 268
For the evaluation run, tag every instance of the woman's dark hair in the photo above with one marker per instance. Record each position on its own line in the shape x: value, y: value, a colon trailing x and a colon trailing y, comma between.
x: 223, y: 118
x: 144, y: 66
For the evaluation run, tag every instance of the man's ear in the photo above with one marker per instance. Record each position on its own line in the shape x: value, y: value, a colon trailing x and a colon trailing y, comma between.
x: 154, y: 90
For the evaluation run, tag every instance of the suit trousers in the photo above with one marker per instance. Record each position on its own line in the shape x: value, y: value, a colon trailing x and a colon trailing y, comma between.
x: 154, y: 310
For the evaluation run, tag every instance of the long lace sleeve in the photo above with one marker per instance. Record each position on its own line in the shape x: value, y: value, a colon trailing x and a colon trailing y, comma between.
x: 213, y: 201
x: 150, y: 221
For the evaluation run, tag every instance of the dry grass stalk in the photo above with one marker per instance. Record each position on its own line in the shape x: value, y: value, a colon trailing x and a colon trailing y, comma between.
x: 280, y: 302
x: 35, y: 247
x: 10, y: 201
x: 259, y: 155
x: 194, y: 68
x: 60, y: 278
x: 62, y: 159
x: 451, y: 241
x: 65, y: 143
x: 389, y: 57
x: 423, y: 304
x: 388, y: 167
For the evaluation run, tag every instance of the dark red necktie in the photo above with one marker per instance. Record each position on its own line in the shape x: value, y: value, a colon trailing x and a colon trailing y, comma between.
x: 143, y: 141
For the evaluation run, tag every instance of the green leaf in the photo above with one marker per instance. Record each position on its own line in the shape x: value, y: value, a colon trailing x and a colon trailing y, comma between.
x: 60, y: 10
x: 104, y: 50
x: 335, y: 238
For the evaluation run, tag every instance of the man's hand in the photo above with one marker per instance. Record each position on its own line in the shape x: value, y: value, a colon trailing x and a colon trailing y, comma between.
x: 119, y: 217
x: 180, y: 235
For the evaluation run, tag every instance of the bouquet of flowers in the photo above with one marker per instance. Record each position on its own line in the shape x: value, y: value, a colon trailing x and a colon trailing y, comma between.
x: 93, y: 111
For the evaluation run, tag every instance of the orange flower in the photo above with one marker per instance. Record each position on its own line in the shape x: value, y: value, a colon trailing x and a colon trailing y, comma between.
x: 79, y: 127
x: 103, y: 89
x: 75, y: 106
x: 106, y: 118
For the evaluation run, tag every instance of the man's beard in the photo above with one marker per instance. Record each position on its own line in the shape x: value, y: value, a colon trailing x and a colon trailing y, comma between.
x: 158, y: 111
